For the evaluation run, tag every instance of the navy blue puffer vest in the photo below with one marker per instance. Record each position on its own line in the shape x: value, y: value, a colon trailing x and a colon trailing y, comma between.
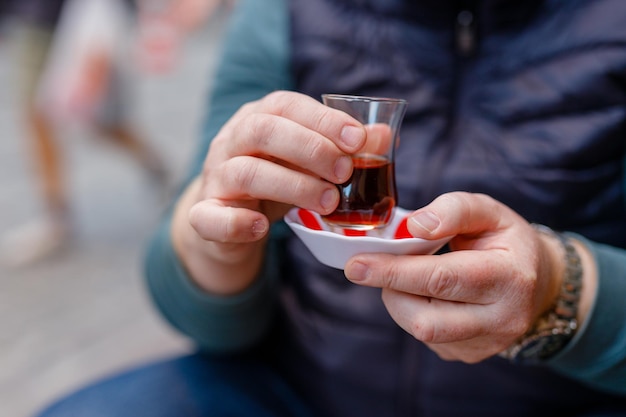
x: 521, y: 100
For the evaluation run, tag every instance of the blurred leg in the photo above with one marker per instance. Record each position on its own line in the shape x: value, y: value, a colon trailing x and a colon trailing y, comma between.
x: 48, y: 161
x: 139, y: 150
x: 43, y: 236
x: 190, y: 386
x: 34, y: 47
x: 114, y: 125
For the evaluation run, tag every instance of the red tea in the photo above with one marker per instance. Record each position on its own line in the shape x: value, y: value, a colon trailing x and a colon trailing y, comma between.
x: 368, y: 197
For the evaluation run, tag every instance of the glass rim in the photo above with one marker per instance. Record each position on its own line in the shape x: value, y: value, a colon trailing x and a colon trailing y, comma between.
x: 365, y: 99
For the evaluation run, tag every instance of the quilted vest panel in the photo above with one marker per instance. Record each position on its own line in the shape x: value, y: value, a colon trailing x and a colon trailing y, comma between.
x: 526, y: 103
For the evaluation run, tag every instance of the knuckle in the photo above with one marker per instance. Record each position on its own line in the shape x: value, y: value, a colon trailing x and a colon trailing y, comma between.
x: 229, y: 226
x: 424, y: 332
x: 217, y: 225
x: 387, y: 273
x: 452, y: 199
x: 445, y: 356
x: 194, y: 218
x: 511, y: 324
x: 299, y: 187
x: 248, y: 107
x: 442, y: 282
x: 276, y: 101
x: 261, y: 128
x: 517, y: 325
x: 242, y: 173
x: 323, y: 121
x: 528, y: 279
x: 520, y: 325
x: 471, y: 359
x: 203, y: 225
x: 296, y: 189
x: 487, y: 199
x: 315, y: 149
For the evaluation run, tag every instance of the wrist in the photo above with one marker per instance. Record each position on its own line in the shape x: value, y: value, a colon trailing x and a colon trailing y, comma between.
x: 553, y: 330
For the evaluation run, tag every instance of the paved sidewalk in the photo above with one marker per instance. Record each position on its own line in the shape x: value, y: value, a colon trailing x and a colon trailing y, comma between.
x: 84, y: 313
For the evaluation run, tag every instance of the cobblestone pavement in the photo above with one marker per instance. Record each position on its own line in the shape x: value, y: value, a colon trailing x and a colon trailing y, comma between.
x: 83, y: 313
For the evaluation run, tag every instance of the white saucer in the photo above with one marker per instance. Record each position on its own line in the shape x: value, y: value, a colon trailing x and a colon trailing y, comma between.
x: 333, y: 246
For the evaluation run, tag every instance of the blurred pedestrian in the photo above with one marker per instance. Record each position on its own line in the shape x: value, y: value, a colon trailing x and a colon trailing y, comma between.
x: 163, y: 25
x: 37, y: 23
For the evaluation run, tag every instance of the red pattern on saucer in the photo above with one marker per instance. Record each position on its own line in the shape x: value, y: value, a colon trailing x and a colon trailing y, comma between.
x: 313, y: 221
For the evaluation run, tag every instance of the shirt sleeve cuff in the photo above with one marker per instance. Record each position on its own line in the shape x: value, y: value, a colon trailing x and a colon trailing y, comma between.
x: 597, y: 353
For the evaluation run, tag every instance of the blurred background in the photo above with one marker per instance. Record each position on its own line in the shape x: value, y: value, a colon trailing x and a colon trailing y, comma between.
x: 80, y: 312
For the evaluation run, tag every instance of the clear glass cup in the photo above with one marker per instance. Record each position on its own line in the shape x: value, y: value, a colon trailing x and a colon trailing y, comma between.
x: 368, y: 198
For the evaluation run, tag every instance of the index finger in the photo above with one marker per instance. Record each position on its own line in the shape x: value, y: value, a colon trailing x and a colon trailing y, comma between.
x: 465, y: 276
x: 345, y: 131
x: 460, y: 213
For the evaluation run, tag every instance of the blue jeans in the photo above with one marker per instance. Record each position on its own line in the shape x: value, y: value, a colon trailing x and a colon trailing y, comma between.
x: 210, y: 386
x: 191, y: 386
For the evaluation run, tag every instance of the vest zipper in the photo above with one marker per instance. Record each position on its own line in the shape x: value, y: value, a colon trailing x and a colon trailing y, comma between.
x: 465, y: 33
x: 466, y: 39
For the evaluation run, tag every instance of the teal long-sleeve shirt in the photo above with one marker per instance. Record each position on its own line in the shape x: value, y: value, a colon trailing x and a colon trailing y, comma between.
x: 255, y: 62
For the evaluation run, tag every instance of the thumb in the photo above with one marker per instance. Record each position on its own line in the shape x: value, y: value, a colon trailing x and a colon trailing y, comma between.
x: 456, y: 213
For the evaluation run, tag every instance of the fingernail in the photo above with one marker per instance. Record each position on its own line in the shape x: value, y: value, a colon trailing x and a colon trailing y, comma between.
x: 357, y: 272
x: 351, y: 136
x: 328, y: 199
x: 259, y: 227
x: 343, y: 167
x: 426, y: 220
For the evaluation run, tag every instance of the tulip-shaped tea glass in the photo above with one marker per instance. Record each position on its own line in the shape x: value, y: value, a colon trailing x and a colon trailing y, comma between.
x: 368, y: 198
